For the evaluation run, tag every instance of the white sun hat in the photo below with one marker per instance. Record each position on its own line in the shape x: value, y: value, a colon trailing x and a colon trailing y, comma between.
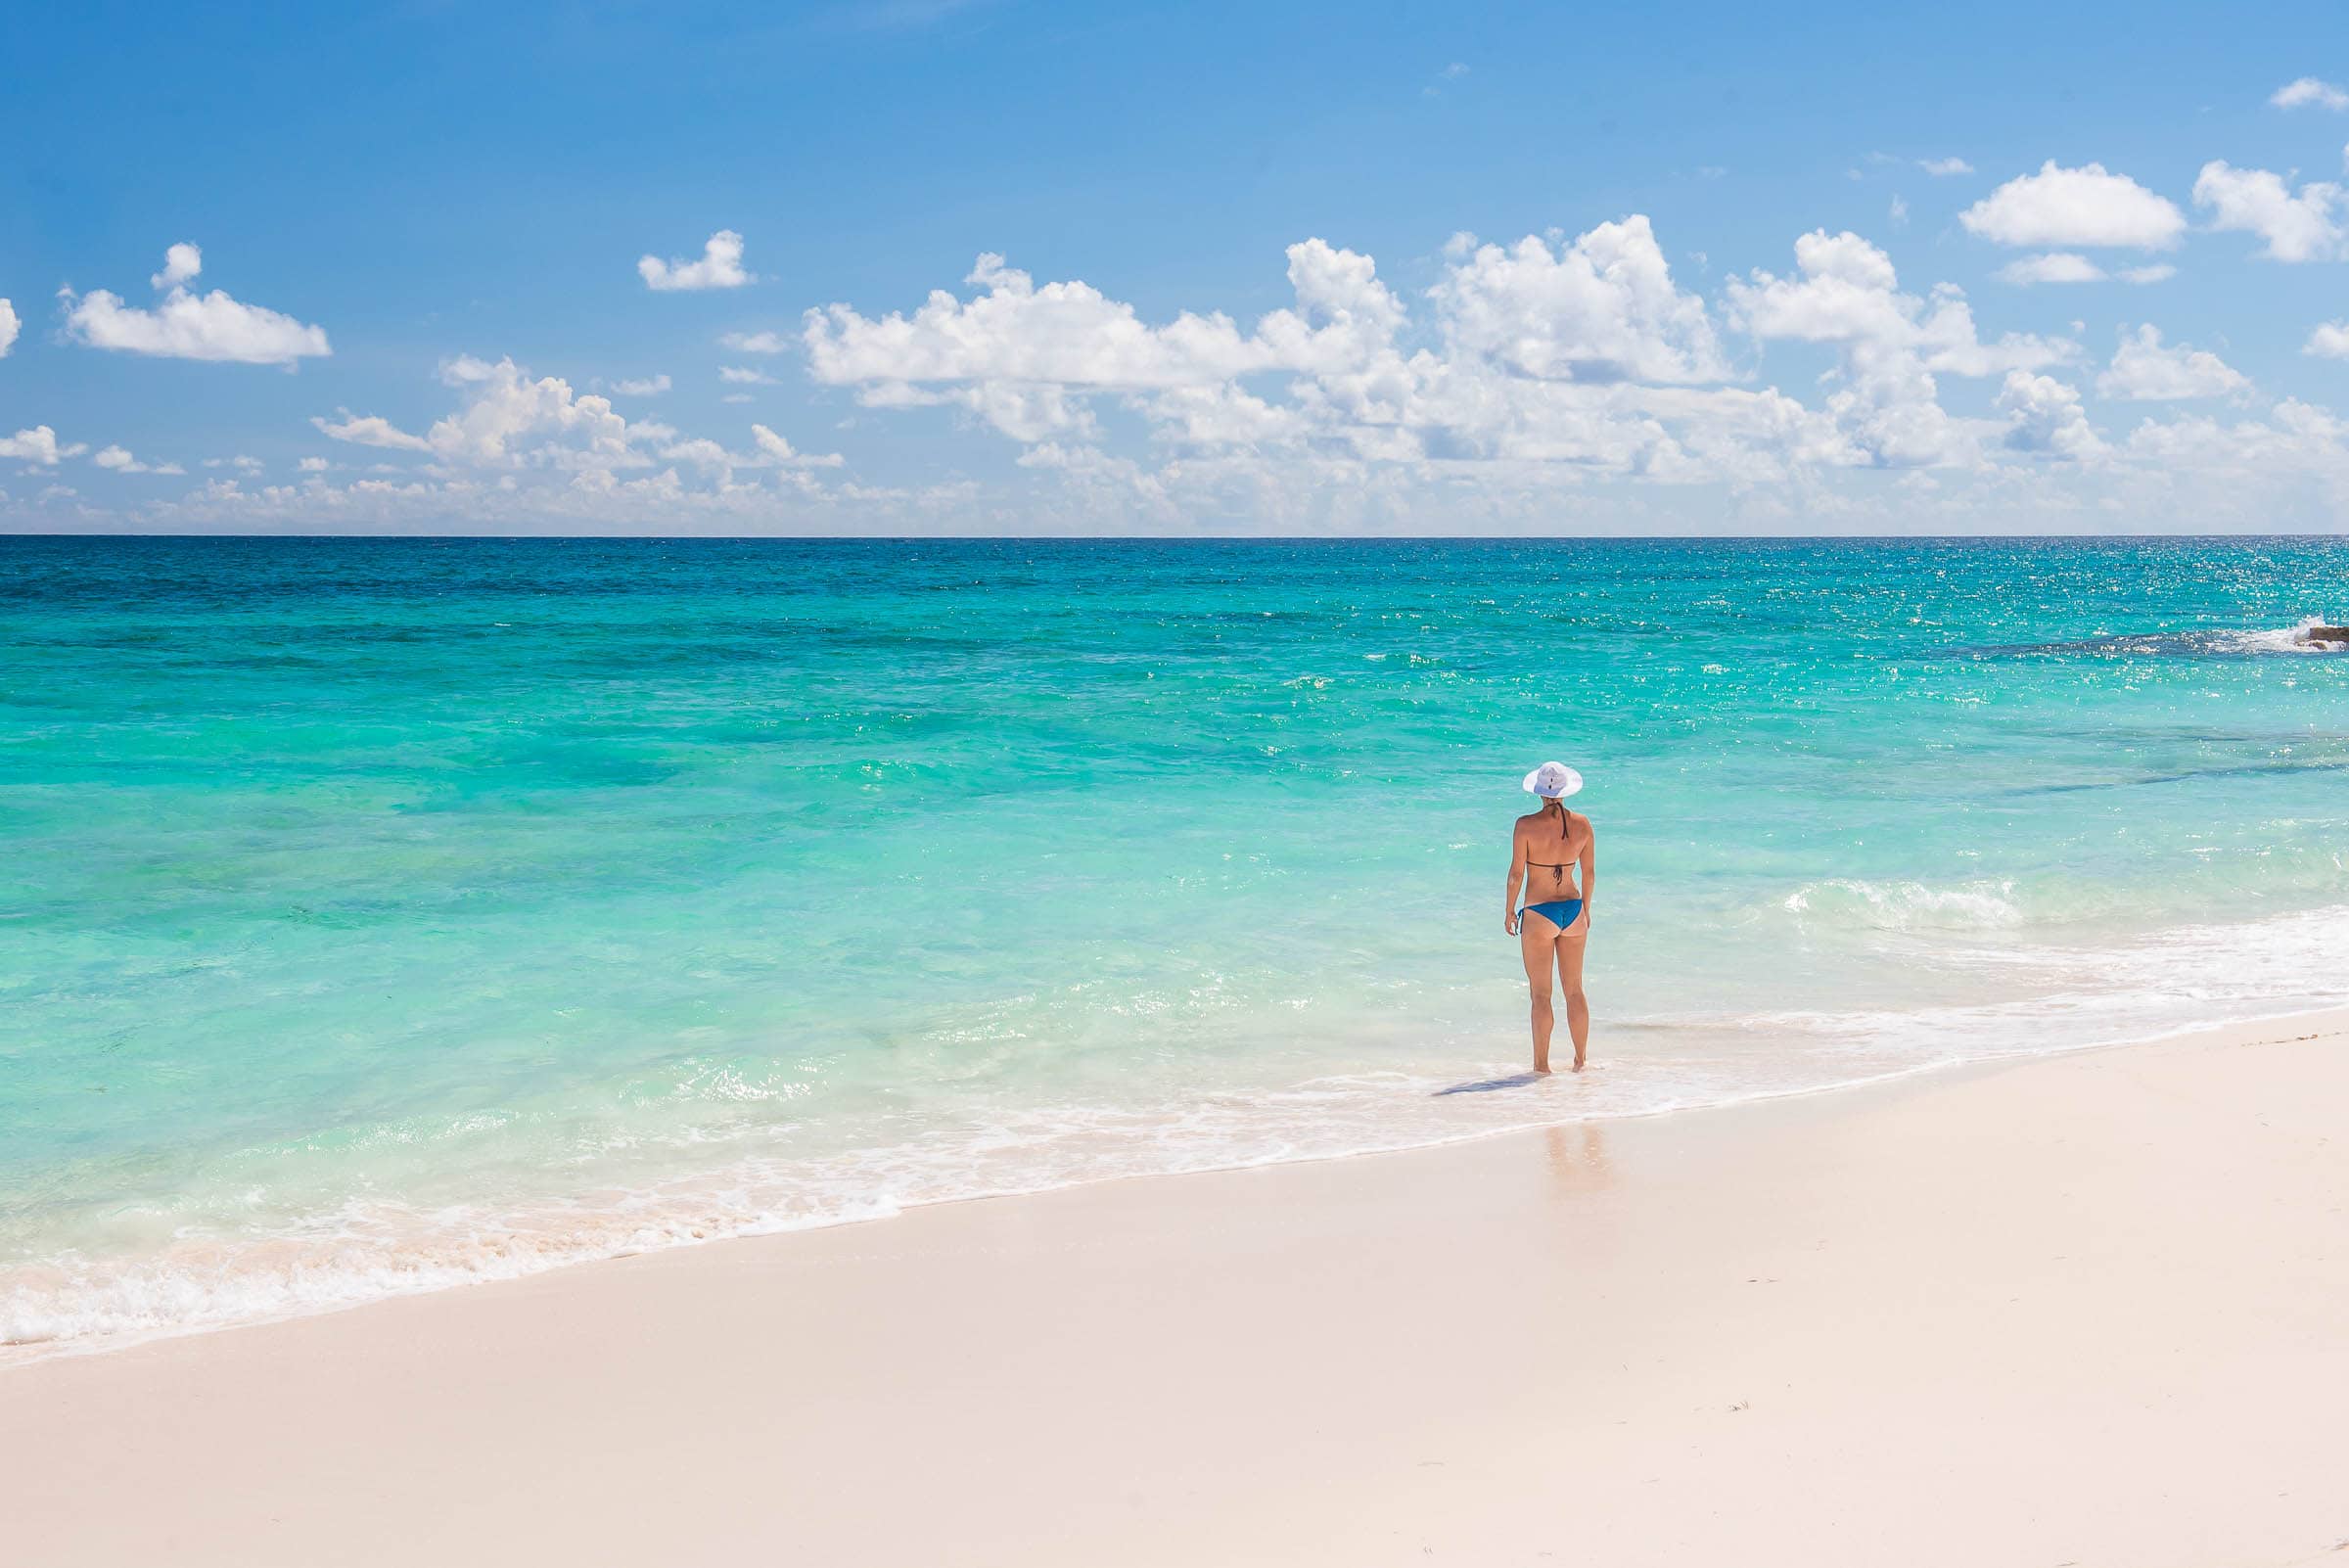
x: 1553, y: 781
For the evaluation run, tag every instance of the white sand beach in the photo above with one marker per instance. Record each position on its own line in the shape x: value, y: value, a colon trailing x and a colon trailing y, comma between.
x: 2084, y: 1310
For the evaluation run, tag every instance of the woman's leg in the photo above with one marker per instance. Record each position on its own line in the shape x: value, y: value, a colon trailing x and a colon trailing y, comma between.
x: 1570, y: 946
x: 1539, y: 939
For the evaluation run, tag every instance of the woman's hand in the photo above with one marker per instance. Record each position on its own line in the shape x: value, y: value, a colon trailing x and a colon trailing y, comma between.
x: 1509, y: 922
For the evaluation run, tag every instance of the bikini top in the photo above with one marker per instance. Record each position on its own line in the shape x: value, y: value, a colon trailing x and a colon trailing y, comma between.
x: 1548, y: 865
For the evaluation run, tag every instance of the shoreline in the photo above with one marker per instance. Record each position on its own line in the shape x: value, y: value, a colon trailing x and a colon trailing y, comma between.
x: 2078, y: 1306
x: 16, y: 1354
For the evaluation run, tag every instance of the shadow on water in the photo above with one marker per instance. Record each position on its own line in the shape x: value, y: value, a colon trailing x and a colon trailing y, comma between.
x: 2184, y: 776
x: 1486, y: 1086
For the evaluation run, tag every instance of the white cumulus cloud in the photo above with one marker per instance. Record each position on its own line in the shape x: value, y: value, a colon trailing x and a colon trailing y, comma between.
x: 719, y: 267
x: 1028, y: 360
x: 119, y: 460
x: 1562, y: 381
x: 2070, y: 266
x: 2308, y: 91
x: 1893, y: 344
x: 1849, y: 292
x: 9, y: 325
x: 181, y: 262
x: 771, y: 451
x: 2329, y: 340
x: 1541, y: 363
x: 2043, y: 416
x: 776, y: 449
x: 2075, y: 207
x: 1070, y: 334
x: 38, y: 445
x: 2054, y: 266
x: 1846, y: 291
x: 186, y: 325
x: 642, y: 387
x: 514, y: 419
x: 525, y: 452
x: 2307, y: 226
x: 2142, y: 370
x: 1603, y: 309
x: 370, y: 429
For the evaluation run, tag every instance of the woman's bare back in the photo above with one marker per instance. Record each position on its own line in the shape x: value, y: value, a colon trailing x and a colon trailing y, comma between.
x: 1551, y: 853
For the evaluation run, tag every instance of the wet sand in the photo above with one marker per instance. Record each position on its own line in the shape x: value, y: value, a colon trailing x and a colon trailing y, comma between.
x: 2083, y: 1311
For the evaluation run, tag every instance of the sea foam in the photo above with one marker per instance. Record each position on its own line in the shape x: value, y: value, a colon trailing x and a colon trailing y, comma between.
x: 2051, y: 998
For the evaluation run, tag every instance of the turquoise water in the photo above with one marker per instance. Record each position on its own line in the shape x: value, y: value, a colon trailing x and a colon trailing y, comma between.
x: 377, y: 915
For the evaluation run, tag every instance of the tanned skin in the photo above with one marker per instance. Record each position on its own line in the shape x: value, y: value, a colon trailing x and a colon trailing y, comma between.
x: 1544, y: 855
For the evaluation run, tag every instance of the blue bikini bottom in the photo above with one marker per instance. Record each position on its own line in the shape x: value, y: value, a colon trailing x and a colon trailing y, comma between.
x: 1560, y: 914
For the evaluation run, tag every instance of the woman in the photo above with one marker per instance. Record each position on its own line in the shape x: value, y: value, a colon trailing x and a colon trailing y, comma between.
x: 1555, y: 921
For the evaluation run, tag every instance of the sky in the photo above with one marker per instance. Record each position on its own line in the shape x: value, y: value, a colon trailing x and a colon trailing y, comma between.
x: 1010, y: 268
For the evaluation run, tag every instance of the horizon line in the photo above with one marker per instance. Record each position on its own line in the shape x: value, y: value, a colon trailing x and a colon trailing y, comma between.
x: 1159, y: 538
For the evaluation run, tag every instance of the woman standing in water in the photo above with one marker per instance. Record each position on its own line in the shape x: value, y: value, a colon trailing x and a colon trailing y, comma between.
x: 1555, y: 922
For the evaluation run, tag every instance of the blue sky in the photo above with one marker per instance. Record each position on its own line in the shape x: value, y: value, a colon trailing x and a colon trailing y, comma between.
x: 417, y: 302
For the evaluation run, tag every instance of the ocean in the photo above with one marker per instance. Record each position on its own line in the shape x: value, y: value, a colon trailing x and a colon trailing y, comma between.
x: 381, y: 915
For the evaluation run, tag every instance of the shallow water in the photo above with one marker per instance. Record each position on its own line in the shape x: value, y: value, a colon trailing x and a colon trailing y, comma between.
x: 382, y: 914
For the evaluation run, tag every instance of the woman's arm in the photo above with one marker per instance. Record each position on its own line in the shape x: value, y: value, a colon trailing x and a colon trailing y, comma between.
x: 1590, y: 865
x: 1508, y: 908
